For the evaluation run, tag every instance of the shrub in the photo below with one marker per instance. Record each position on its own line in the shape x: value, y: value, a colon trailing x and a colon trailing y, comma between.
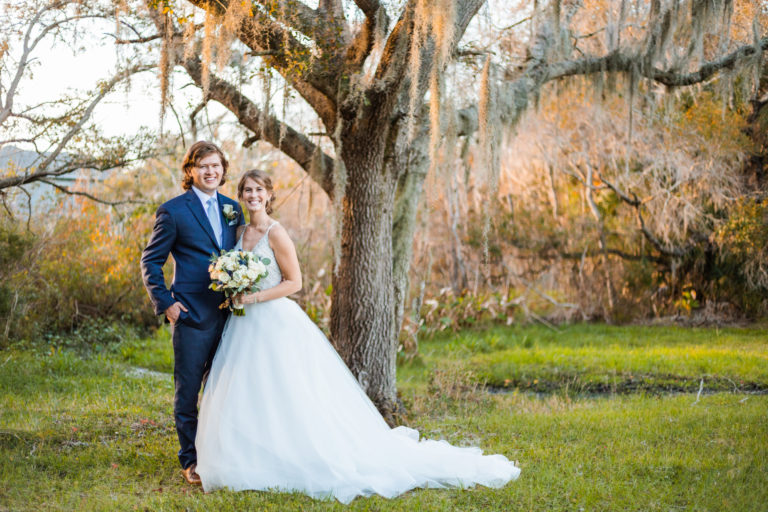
x: 83, y: 265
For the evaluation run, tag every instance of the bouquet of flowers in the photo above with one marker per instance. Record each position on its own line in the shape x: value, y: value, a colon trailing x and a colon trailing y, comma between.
x: 234, y: 272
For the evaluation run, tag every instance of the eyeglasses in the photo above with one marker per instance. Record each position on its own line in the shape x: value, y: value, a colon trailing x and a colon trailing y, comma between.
x: 213, y: 167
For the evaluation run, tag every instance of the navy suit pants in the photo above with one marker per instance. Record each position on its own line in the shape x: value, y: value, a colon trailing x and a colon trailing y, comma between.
x: 195, y: 341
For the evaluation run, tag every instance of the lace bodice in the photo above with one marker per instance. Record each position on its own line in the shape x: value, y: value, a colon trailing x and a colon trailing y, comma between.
x: 263, y: 250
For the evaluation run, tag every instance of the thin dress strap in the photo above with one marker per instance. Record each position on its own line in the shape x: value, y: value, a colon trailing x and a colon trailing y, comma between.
x: 266, y: 233
x: 265, y: 236
x: 240, y: 238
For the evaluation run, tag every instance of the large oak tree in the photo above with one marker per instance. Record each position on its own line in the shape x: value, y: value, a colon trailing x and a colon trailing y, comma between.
x: 374, y: 76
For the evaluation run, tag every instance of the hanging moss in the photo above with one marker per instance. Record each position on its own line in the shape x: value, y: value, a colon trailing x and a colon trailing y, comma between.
x: 418, y: 36
x: 165, y: 66
x: 266, y: 94
x: 189, y: 37
x: 210, y: 20
x: 433, y: 24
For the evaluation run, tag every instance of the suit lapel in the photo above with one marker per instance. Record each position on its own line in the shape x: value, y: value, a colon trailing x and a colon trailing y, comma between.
x: 197, y: 210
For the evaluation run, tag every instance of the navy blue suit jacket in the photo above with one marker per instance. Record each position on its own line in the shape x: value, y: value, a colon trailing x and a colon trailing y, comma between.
x: 182, y: 229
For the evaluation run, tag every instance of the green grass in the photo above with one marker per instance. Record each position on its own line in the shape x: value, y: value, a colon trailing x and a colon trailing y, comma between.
x: 90, y: 433
x: 591, y: 358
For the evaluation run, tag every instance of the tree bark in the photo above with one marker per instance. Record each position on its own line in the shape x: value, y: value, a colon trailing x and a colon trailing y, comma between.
x: 362, y: 299
x: 410, y: 162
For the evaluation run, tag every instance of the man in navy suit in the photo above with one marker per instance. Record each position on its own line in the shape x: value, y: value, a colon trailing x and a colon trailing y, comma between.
x: 192, y: 227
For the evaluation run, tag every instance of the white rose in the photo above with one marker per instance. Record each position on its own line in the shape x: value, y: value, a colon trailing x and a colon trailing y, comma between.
x: 223, y: 277
x: 261, y: 269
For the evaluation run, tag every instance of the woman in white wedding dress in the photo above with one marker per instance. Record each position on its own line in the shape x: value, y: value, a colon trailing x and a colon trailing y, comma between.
x: 281, y: 410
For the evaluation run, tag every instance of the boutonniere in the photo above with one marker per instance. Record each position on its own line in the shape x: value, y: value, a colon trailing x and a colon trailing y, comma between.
x: 230, y: 214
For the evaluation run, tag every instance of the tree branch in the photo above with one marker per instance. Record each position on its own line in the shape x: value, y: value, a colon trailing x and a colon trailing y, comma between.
x: 614, y: 252
x: 28, y: 48
x: 302, y: 18
x: 637, y: 204
x: 293, y: 143
x: 89, y: 196
x: 520, y: 85
x: 393, y: 67
x: 369, y: 7
x: 103, y: 90
x: 193, y: 117
x: 137, y: 40
x: 100, y: 165
x: 361, y: 45
x: 618, y: 61
x: 266, y: 35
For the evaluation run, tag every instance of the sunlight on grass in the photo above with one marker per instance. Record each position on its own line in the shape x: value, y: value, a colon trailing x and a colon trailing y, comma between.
x: 91, y: 433
x: 616, y: 359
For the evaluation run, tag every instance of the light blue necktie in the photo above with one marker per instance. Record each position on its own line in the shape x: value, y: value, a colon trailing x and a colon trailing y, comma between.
x: 214, y: 218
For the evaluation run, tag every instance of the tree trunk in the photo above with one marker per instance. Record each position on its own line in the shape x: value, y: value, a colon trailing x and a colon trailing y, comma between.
x: 363, y: 299
x: 410, y: 162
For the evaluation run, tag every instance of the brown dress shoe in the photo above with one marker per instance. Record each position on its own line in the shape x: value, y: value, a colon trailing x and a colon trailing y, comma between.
x: 191, y: 476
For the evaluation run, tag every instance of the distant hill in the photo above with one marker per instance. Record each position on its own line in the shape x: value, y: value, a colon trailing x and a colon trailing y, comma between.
x: 13, y: 157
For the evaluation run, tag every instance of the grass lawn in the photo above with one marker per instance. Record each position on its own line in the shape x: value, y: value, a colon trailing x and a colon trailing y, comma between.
x: 598, y: 418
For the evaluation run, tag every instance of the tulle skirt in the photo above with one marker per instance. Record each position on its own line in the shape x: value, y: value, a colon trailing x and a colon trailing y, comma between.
x: 281, y: 411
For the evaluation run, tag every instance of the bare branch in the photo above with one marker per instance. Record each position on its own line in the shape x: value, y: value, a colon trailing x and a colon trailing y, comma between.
x: 614, y: 252
x: 72, y: 165
x: 140, y: 38
x: 675, y: 252
x: 74, y: 130
x: 89, y: 196
x: 29, y: 207
x: 516, y: 23
x: 28, y: 47
x: 632, y: 201
x: 193, y: 117
x: 637, y: 204
x: 137, y: 40
x: 470, y: 52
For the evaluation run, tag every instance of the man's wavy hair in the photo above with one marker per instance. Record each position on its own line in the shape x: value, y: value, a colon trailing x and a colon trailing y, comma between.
x: 197, y: 152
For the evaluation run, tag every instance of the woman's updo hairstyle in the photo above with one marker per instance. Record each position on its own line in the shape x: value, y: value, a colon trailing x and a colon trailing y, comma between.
x: 263, y: 179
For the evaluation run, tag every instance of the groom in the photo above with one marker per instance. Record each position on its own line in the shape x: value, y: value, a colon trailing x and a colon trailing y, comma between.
x: 191, y: 227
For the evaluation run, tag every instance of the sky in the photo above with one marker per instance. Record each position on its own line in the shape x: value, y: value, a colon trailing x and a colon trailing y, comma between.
x: 59, y: 70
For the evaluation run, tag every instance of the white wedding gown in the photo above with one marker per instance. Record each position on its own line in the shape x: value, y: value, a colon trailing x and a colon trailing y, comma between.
x: 281, y: 411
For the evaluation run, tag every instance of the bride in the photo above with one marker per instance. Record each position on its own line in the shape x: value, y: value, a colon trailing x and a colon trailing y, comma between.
x: 281, y: 411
